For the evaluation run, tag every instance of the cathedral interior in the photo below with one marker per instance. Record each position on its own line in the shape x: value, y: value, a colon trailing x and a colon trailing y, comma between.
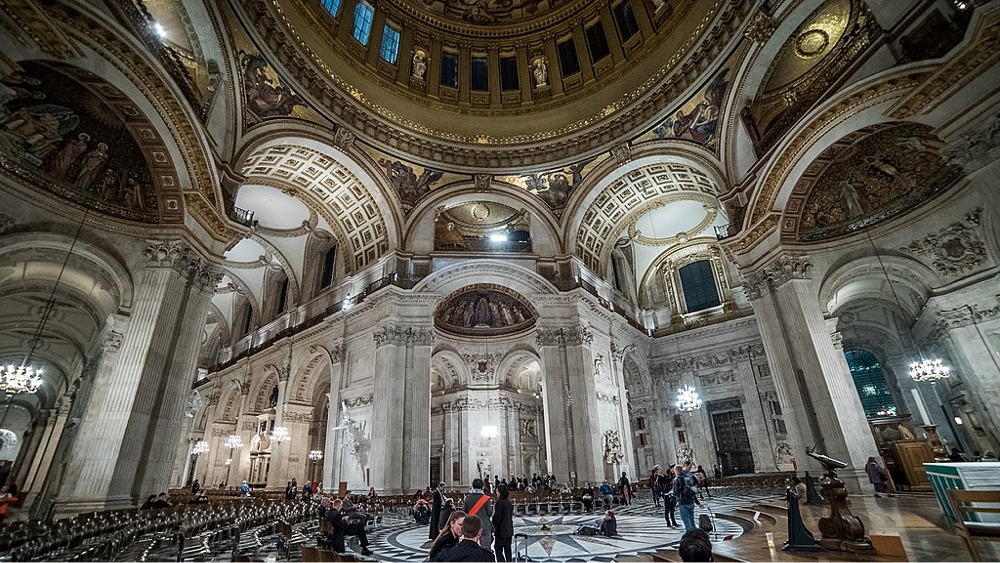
x: 387, y: 244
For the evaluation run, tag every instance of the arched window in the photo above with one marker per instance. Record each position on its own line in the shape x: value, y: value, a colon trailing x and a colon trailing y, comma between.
x: 870, y: 383
x: 698, y: 285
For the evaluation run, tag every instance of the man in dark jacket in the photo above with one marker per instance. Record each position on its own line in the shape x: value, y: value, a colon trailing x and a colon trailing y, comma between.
x: 342, y: 527
x: 468, y: 548
x: 503, y: 524
x: 484, y: 511
x: 436, y: 510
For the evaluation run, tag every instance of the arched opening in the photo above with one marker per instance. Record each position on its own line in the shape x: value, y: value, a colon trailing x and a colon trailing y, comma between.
x: 869, y: 380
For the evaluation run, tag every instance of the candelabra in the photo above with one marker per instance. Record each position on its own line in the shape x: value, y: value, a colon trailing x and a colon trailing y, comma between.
x: 199, y: 447
x: 315, y: 456
x: 688, y: 400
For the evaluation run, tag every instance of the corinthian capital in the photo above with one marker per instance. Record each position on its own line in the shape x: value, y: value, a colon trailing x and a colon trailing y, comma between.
x: 787, y: 267
x: 755, y: 285
x: 165, y: 254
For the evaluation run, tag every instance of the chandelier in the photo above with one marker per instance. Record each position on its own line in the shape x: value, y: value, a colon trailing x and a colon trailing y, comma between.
x: 489, y: 431
x: 315, y: 455
x: 234, y: 442
x: 929, y: 371
x: 199, y: 447
x: 687, y: 399
x: 280, y: 434
x: 20, y: 379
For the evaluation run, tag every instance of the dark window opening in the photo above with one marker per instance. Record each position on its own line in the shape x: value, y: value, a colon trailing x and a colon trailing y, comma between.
x: 508, y: 74
x: 597, y: 42
x: 480, y: 79
x: 329, y: 260
x: 625, y: 19
x: 449, y: 69
x: 870, y: 383
x: 699, y: 288
x: 567, y: 58
x: 282, y: 296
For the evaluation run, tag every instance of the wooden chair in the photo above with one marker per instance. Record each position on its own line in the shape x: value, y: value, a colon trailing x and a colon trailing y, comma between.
x: 977, y: 516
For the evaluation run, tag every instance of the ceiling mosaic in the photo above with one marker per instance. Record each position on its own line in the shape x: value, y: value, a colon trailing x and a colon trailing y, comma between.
x: 484, y: 310
x: 339, y: 196
x: 70, y: 133
x: 882, y: 175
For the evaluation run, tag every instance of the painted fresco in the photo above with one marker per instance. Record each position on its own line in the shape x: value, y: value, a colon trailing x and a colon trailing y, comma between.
x: 880, y: 176
x: 554, y: 186
x: 698, y: 119
x: 64, y: 137
x: 410, y: 181
x: 265, y: 96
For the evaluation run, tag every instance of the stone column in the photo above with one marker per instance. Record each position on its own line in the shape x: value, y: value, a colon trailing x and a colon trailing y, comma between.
x: 20, y: 467
x: 399, y: 455
x: 570, y: 404
x: 754, y: 414
x: 333, y: 451
x: 631, y: 465
x: 810, y: 373
x: 977, y: 365
x: 128, y: 431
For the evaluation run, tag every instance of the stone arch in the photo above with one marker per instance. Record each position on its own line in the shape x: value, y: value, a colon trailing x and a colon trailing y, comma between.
x: 545, y: 231
x: 632, y: 377
x: 864, y: 102
x: 448, y: 370
x: 308, y: 377
x: 863, y: 278
x: 501, y: 272
x: 627, y: 194
x: 511, y: 372
x: 260, y: 393
x: 349, y: 193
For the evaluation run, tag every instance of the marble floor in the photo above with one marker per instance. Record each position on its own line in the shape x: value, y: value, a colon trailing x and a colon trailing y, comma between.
x: 915, y: 518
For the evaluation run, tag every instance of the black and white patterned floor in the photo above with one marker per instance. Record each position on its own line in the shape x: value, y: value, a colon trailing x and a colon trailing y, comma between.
x: 641, y: 529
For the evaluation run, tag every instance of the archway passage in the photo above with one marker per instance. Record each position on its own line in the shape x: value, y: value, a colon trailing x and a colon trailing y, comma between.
x: 870, y: 383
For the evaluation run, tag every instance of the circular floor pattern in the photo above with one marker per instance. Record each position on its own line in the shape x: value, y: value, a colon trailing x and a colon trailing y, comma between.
x: 552, y: 538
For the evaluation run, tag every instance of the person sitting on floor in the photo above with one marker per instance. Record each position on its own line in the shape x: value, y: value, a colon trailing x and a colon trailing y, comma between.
x: 421, y: 514
x: 609, y: 524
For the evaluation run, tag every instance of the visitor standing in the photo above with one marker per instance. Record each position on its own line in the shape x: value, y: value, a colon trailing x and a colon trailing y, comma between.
x: 436, y: 507
x: 654, y: 483
x: 686, y: 495
x: 478, y: 503
x: 503, y: 524
x: 878, y: 477
x: 451, y: 533
x: 669, y: 498
x: 626, y: 489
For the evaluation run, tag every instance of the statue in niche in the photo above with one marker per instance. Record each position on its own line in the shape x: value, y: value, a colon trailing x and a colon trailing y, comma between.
x: 419, y: 66
x: 484, y: 468
x: 541, y: 71
x: 272, y: 401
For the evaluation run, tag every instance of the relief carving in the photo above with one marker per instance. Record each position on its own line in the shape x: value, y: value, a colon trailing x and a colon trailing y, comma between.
x: 954, y: 249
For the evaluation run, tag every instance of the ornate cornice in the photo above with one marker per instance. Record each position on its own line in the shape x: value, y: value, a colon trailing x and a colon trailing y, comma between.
x: 400, y: 336
x: 708, y: 360
x: 493, y: 404
x: 568, y: 336
x: 360, y: 401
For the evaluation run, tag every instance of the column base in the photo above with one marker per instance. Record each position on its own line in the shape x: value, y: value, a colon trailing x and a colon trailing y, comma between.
x: 71, y: 508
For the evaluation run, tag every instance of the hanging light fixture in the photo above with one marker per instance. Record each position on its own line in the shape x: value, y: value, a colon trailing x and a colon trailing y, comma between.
x: 688, y: 400
x: 926, y: 370
x: 488, y: 431
x: 315, y: 455
x: 27, y: 378
x: 199, y: 447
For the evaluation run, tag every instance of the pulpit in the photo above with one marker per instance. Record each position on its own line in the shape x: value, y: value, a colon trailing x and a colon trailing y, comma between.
x: 903, y: 450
